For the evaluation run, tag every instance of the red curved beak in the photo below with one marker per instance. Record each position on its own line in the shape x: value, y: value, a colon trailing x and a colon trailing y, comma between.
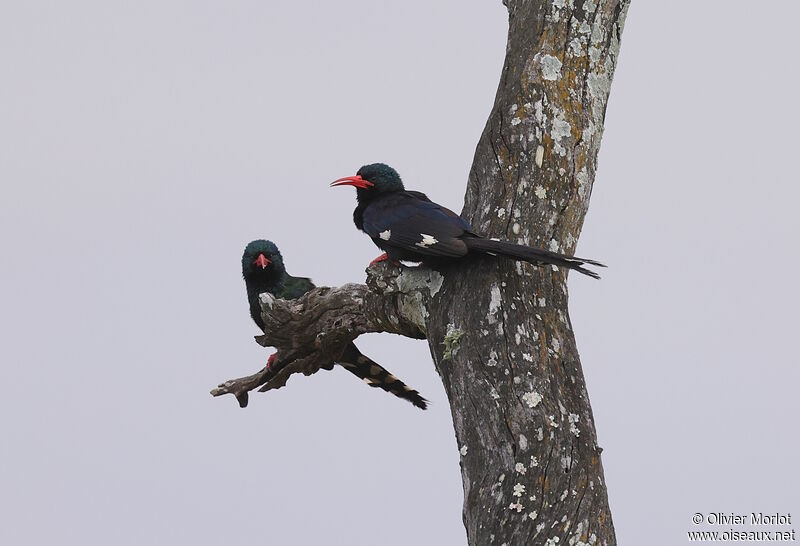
x: 356, y: 181
x: 263, y: 261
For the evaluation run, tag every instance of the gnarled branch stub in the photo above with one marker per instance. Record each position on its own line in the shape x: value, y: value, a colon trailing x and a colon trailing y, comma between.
x: 311, y: 332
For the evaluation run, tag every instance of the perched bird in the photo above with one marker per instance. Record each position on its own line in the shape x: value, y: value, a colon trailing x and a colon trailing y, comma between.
x: 407, y: 225
x: 263, y: 271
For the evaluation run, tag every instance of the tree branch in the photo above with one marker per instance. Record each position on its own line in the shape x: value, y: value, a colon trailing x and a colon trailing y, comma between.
x: 311, y: 332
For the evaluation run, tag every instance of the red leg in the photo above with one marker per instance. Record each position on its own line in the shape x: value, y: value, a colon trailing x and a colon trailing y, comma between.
x: 382, y: 258
x: 270, y: 361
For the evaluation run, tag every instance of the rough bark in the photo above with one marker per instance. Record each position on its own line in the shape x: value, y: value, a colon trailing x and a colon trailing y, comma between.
x: 311, y: 332
x: 531, y: 466
x: 529, y: 456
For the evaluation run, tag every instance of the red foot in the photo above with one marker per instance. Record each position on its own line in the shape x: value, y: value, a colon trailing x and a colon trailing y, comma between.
x: 382, y: 258
x: 270, y: 361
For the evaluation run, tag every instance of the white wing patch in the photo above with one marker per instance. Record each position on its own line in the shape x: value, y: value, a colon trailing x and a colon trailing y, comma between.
x: 385, y: 234
x: 427, y: 240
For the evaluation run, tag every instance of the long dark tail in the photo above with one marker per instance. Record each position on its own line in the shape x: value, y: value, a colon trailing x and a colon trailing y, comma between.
x: 529, y: 254
x: 376, y: 375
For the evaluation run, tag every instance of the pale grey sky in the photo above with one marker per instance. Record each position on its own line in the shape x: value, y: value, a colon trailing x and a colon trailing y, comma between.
x: 142, y: 145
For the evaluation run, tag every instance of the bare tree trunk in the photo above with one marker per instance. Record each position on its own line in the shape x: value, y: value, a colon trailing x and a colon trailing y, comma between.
x: 499, y: 331
x: 530, y: 461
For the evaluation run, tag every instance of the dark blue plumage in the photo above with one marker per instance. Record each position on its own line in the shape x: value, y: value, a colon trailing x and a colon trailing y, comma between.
x: 399, y: 222
x: 409, y: 226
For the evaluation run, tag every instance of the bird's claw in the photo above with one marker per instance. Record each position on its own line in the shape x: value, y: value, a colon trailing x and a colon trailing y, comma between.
x: 382, y: 258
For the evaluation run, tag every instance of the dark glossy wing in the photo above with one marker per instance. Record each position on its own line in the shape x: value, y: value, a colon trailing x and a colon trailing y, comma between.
x: 411, y: 221
x: 294, y: 287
